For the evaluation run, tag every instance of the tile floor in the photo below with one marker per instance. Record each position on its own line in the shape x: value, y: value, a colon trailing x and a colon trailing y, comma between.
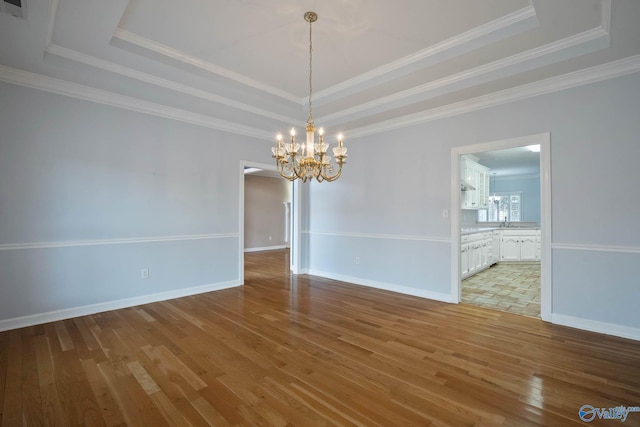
x: 513, y: 287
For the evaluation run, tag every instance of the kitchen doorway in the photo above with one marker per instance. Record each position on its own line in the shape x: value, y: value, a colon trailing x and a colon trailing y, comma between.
x: 493, y: 244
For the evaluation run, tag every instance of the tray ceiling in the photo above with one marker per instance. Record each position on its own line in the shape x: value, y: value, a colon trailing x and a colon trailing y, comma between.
x: 242, y: 65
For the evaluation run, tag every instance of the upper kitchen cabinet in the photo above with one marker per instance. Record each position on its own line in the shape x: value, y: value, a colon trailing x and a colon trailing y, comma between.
x: 474, y: 179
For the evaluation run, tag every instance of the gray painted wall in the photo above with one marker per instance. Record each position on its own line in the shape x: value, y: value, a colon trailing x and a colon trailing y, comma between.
x: 397, y: 201
x: 264, y: 211
x: 75, y: 171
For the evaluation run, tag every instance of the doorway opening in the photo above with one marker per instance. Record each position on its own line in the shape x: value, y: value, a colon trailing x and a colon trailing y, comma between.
x: 269, y: 214
x: 501, y: 225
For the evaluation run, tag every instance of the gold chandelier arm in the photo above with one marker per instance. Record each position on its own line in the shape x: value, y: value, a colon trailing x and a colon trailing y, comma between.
x: 330, y: 178
x: 299, y: 171
x: 282, y: 173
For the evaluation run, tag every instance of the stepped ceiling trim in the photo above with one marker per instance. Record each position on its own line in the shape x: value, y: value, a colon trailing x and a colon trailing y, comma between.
x: 578, y: 78
x: 554, y: 84
x: 92, y: 61
x: 87, y: 93
x: 392, y: 93
x: 174, y: 54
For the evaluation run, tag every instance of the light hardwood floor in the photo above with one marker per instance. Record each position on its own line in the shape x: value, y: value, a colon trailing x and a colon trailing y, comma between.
x: 304, y: 351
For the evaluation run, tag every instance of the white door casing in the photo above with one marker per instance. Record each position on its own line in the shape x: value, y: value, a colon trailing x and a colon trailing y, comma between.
x: 544, y: 140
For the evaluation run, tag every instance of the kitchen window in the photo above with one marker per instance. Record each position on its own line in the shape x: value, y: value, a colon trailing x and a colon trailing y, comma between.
x: 502, y: 207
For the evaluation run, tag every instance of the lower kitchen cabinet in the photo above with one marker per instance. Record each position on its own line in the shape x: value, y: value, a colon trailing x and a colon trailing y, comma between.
x: 520, y: 245
x: 495, y: 246
x: 464, y: 260
x: 479, y: 251
x: 476, y: 253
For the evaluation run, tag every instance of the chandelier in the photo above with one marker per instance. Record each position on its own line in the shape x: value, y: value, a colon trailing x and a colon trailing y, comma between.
x: 309, y: 160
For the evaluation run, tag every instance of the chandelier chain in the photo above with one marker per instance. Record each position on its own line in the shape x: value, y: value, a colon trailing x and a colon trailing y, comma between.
x: 310, y: 119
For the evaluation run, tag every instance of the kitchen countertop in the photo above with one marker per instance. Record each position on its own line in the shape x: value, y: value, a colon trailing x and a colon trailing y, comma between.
x: 473, y: 230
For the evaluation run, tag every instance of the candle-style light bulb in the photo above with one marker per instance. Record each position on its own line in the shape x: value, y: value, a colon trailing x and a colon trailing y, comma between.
x: 293, y: 132
x: 279, y: 137
x: 309, y: 146
x: 321, y: 131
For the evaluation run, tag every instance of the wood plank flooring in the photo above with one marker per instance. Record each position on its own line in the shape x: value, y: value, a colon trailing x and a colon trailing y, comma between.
x: 305, y: 351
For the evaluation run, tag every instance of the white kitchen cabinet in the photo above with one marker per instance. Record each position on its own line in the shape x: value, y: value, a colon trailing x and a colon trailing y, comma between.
x: 483, y: 186
x: 475, y: 175
x: 520, y: 245
x: 476, y: 253
x: 468, y: 178
x: 464, y: 260
x: 467, y: 171
x: 465, y: 249
x: 495, y: 246
x: 484, y: 251
x: 529, y: 248
x: 479, y: 251
x: 510, y: 248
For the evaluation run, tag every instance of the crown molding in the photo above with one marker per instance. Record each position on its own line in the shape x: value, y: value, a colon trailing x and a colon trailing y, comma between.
x: 490, y: 32
x: 577, y: 78
x: 506, y: 26
x: 87, y: 93
x: 605, y: 22
x: 593, y: 74
x: 53, y: 9
x: 596, y: 38
x: 575, y: 45
x: 177, y: 55
x: 590, y: 75
x: 109, y: 66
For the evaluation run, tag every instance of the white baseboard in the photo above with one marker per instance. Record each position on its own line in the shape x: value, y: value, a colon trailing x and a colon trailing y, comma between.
x: 68, y: 313
x: 384, y: 286
x: 558, y: 319
x: 265, y: 248
x: 597, y: 326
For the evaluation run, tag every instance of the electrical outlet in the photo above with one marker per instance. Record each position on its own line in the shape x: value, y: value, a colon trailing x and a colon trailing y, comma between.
x: 269, y: 237
x: 445, y: 213
x: 357, y: 260
x: 144, y: 273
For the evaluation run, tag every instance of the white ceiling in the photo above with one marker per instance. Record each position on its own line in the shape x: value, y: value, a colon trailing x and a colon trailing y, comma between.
x: 510, y: 161
x: 242, y: 65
